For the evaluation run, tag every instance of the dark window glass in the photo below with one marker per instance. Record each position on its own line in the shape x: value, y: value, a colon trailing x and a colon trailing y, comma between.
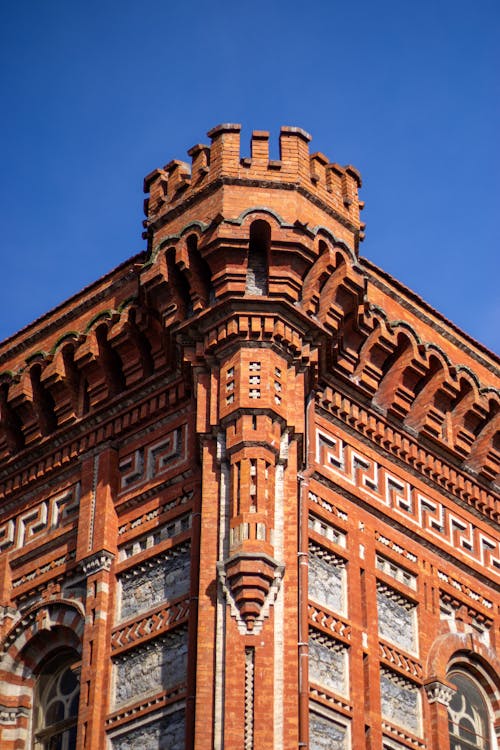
x: 468, y: 719
x: 56, y: 705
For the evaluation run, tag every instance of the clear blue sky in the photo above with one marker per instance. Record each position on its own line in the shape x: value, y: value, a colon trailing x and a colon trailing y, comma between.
x: 96, y: 94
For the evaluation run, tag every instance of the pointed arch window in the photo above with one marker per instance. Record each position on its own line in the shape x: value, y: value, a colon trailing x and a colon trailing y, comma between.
x: 57, y: 695
x: 469, y: 722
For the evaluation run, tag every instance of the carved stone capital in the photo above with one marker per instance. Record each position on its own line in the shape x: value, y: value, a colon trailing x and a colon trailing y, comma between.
x: 97, y: 562
x: 439, y: 692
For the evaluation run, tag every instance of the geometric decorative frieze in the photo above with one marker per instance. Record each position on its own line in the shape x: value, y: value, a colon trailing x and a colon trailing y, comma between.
x: 329, y: 532
x: 156, y: 580
x: 444, y: 524
x: 154, y: 666
x: 147, y: 541
x: 57, y: 456
x: 155, y: 623
x: 152, y: 461
x: 327, y: 578
x: 413, y: 453
x: 41, y: 569
x: 329, y: 622
x: 395, y: 547
x: 395, y: 571
x: 392, y: 656
x: 40, y: 519
x: 400, y: 701
x: 464, y: 589
x: 326, y: 505
x: 397, y: 618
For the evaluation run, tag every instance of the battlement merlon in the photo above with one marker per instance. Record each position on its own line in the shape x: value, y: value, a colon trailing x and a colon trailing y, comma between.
x: 334, y: 186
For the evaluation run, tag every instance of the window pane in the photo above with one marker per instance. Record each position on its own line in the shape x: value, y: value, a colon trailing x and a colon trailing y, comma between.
x: 54, y: 713
x: 68, y: 682
x: 468, y: 715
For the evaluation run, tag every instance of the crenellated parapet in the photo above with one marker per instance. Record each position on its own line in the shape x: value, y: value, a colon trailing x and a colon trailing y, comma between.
x: 333, y: 187
x: 256, y: 252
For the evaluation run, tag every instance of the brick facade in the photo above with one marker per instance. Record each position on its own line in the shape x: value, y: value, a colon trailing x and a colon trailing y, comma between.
x: 248, y: 483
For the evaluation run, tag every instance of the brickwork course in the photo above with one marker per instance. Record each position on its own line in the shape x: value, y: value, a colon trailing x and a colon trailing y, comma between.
x: 249, y: 486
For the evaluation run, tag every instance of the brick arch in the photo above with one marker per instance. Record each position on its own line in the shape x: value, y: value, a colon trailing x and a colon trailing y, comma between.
x: 40, y: 632
x: 322, y: 232
x: 452, y: 649
x: 253, y: 213
x: 49, y: 624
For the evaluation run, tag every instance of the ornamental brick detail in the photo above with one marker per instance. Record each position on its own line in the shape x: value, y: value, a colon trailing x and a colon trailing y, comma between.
x: 248, y: 481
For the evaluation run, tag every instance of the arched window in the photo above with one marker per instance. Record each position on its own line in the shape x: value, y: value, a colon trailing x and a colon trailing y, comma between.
x: 468, y: 716
x: 57, y: 694
x: 258, y: 257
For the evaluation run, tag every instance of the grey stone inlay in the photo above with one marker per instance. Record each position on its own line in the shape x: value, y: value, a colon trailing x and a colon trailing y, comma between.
x: 328, y: 666
x: 396, y: 619
x: 325, y: 734
x: 146, y: 670
x: 151, y: 584
x: 326, y: 583
x: 400, y: 701
x: 167, y: 733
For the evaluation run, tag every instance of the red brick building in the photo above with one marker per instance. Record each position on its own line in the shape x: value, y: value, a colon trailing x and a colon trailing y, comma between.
x: 248, y: 486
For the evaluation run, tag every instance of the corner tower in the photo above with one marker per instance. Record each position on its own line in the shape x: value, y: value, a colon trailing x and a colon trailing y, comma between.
x: 249, y: 486
x: 238, y: 248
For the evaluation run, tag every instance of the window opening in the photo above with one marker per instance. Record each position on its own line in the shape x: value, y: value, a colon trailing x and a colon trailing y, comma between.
x: 258, y: 252
x: 468, y: 716
x: 57, y: 696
